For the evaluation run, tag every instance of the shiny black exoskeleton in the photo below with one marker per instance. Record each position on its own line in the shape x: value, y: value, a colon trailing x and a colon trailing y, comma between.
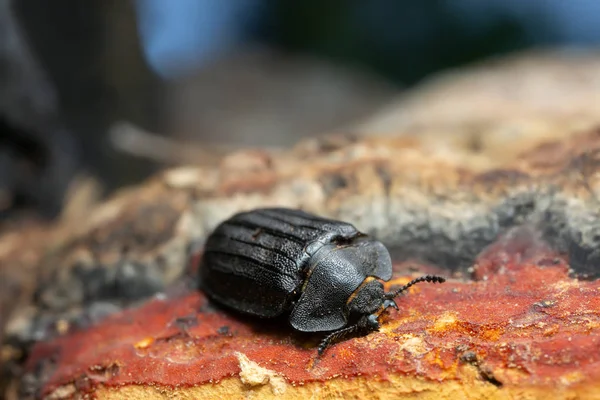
x: 326, y: 274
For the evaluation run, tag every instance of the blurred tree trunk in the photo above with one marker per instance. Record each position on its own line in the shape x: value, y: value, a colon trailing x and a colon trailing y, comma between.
x: 92, y: 54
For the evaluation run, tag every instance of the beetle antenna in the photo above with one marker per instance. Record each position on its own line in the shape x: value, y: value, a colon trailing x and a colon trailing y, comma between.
x: 426, y: 278
x: 335, y: 336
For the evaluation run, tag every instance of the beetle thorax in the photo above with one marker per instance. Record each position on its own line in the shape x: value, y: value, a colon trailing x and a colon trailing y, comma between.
x: 367, y: 298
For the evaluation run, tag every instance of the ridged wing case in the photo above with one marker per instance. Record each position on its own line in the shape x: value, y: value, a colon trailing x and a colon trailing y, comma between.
x: 254, y: 262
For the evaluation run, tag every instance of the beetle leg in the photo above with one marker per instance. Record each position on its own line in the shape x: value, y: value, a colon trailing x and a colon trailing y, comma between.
x: 365, y: 324
x: 335, y: 336
x: 390, y: 303
x: 385, y: 305
x: 370, y: 323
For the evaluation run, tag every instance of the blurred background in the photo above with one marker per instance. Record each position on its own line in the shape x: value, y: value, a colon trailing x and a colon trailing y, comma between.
x: 103, y: 93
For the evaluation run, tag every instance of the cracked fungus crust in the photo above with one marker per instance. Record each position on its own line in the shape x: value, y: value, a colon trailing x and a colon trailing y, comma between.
x: 528, y: 329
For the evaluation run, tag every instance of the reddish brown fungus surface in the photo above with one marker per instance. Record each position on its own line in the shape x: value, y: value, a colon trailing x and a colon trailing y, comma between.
x: 527, y: 325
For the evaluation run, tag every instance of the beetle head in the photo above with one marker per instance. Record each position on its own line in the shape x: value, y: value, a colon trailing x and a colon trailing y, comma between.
x: 367, y: 299
x: 370, y: 300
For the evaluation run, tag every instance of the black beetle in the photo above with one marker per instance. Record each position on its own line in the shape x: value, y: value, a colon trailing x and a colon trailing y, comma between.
x: 325, y: 273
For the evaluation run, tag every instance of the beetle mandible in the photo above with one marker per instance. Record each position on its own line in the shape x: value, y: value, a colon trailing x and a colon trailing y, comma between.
x: 324, y: 273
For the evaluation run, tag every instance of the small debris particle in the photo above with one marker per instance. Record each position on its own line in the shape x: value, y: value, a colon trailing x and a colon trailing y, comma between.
x: 486, y: 373
x: 413, y: 345
x: 224, y: 330
x: 252, y: 374
x: 469, y: 357
x: 185, y: 323
x: 444, y: 322
x: 545, y: 304
x: 144, y: 343
x: 62, y: 326
x: 63, y: 392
